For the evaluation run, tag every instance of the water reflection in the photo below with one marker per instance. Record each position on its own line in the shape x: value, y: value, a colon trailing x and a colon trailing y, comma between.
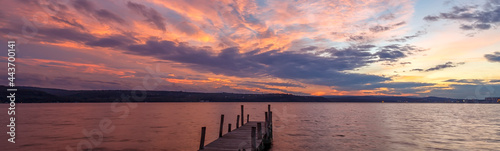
x: 297, y: 126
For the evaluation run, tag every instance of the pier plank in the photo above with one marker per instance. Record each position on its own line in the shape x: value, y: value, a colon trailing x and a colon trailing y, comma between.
x: 236, y: 139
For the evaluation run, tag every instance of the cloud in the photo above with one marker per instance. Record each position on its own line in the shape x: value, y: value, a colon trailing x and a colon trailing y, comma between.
x: 406, y: 38
x: 467, y: 91
x: 252, y: 85
x: 466, y: 81
x: 477, y: 19
x: 257, y: 42
x: 151, y: 15
x: 443, y: 66
x: 395, y: 52
x: 63, y: 34
x: 304, y: 67
x: 417, y: 70
x: 103, y: 15
x: 111, y: 41
x: 379, y: 28
x: 279, y: 84
x: 309, y: 48
x: 73, y: 22
x: 409, y: 87
x: 495, y: 57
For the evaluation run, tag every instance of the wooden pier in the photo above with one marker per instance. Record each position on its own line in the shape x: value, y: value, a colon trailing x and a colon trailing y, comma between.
x: 250, y: 136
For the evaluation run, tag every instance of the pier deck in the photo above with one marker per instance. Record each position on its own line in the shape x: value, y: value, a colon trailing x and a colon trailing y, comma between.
x: 250, y: 136
x: 237, y: 139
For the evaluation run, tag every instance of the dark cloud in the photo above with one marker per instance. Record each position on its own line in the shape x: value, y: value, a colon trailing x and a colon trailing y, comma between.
x: 440, y: 67
x: 304, y: 67
x: 405, y: 63
x: 309, y: 48
x: 111, y: 41
x: 420, y: 70
x: 474, y: 81
x: 395, y: 52
x: 151, y: 15
x: 69, y: 82
x: 57, y: 35
x: 478, y: 19
x: 103, y: 15
x: 493, y: 81
x: 63, y: 34
x: 73, y: 22
x: 431, y: 18
x: 406, y: 38
x: 83, y: 5
x: 495, y: 57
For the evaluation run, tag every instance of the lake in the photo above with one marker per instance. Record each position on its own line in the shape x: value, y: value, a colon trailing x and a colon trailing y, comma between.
x: 297, y: 126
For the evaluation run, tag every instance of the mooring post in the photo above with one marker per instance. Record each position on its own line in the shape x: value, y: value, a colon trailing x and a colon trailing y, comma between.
x: 269, y: 108
x: 266, y: 125
x: 254, y: 142
x: 202, y: 141
x: 238, y: 121
x: 248, y: 118
x: 242, y: 115
x: 271, y: 125
x: 229, y: 127
x: 259, y: 130
x: 221, y: 124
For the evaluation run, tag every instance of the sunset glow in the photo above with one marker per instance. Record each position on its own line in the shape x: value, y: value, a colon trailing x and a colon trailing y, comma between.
x: 320, y: 47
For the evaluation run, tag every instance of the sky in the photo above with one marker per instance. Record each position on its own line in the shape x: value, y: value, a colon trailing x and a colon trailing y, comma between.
x: 302, y: 47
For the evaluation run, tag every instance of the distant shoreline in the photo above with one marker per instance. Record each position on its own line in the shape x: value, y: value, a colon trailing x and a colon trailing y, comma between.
x: 49, y: 95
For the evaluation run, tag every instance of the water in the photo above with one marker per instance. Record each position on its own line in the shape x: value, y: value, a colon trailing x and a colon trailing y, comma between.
x: 297, y: 126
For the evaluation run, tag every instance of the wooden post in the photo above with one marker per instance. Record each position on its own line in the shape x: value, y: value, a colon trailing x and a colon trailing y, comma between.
x: 259, y: 130
x: 248, y: 118
x: 271, y: 125
x: 229, y: 127
x: 202, y: 141
x: 238, y: 121
x: 269, y: 108
x: 254, y: 142
x: 242, y: 116
x: 271, y: 118
x: 221, y: 124
x: 267, y: 120
x: 266, y: 125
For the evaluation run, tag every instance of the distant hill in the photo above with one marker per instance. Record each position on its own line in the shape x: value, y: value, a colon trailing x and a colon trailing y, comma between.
x: 49, y: 95
x: 390, y: 99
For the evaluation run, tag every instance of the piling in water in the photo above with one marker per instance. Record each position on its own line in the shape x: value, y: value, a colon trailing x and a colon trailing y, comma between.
x: 238, y: 121
x: 242, y: 115
x: 202, y: 141
x: 259, y: 131
x: 254, y: 141
x: 221, y: 125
